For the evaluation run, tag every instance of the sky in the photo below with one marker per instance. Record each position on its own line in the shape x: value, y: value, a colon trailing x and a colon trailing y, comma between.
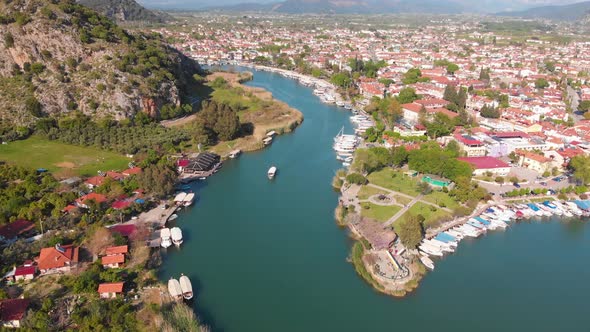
x: 196, y: 4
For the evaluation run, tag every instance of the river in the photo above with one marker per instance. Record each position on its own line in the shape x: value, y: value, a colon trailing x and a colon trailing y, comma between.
x: 267, y: 255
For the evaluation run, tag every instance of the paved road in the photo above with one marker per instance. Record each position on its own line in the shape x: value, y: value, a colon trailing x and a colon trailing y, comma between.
x: 402, y: 211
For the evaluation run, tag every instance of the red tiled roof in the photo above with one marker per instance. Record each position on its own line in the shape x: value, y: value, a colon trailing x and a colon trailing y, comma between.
x: 24, y: 270
x: 115, y: 175
x: 113, y: 287
x: 112, y: 259
x: 484, y: 162
x: 119, y: 205
x: 132, y: 171
x: 13, y: 309
x: 51, y: 258
x: 15, y: 228
x: 117, y: 250
x: 412, y: 107
x: 98, y: 198
x: 95, y: 181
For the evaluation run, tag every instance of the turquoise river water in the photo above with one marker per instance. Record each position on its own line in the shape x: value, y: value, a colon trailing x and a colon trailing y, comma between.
x: 267, y: 255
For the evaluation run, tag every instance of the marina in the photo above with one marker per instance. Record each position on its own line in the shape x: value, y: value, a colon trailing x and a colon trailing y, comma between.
x: 295, y: 235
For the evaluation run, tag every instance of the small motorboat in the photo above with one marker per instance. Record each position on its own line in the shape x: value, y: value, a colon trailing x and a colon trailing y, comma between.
x: 272, y: 172
x: 174, y: 289
x: 186, y: 287
x: 176, y: 235
x: 165, y: 236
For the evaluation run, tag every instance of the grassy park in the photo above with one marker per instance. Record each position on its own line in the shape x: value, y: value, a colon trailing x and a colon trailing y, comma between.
x: 378, y: 212
x: 62, y: 159
x: 432, y: 215
x: 366, y: 191
x: 395, y: 180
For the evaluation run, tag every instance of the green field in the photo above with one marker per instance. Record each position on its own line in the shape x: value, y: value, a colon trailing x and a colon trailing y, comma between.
x: 62, y: 159
x: 438, y: 197
x: 395, y: 180
x: 432, y: 218
x: 365, y: 192
x: 378, y: 212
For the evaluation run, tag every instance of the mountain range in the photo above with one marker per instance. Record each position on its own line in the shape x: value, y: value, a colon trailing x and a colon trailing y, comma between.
x: 505, y: 7
x: 382, y: 6
x: 572, y: 12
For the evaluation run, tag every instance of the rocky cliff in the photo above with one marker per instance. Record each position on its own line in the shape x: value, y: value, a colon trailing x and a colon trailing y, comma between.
x: 58, y: 57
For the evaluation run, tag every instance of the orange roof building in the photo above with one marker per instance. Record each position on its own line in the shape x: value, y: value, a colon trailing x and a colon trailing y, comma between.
x: 58, y: 258
x: 110, y: 290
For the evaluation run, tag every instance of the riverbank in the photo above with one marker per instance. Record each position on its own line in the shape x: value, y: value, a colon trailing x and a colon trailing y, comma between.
x: 259, y: 112
x: 397, y: 271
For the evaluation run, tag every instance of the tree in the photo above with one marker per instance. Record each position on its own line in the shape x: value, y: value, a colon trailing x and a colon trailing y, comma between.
x: 584, y: 105
x: 158, y: 179
x: 341, y: 80
x: 484, y: 75
x: 499, y: 180
x: 541, y: 83
x: 399, y: 156
x: 581, y: 169
x: 452, y: 68
x: 413, y: 75
x: 407, y: 95
x: 410, y: 232
x: 488, y: 111
x: 356, y: 178
x: 440, y: 125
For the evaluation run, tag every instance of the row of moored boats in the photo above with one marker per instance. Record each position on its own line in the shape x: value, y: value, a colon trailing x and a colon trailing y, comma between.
x: 180, y: 288
x: 496, y: 217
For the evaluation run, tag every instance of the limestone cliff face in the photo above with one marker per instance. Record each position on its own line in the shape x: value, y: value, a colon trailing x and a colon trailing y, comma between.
x: 69, y: 58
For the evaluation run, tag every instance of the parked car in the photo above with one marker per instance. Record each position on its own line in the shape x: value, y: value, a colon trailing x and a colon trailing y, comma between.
x: 544, y: 183
x: 516, y: 185
x: 557, y: 179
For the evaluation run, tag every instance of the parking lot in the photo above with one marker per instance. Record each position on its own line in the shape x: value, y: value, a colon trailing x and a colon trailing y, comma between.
x: 524, y: 174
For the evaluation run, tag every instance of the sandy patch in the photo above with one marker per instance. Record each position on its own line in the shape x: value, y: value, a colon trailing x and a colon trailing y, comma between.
x: 65, y: 164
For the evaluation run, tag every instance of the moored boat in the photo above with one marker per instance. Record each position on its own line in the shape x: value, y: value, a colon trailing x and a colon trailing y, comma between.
x: 186, y: 287
x: 188, y: 199
x: 176, y: 235
x: 174, y: 289
x: 427, y: 262
x: 165, y: 237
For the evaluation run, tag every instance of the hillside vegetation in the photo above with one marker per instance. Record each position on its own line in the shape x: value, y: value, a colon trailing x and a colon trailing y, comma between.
x: 125, y: 10
x: 58, y: 56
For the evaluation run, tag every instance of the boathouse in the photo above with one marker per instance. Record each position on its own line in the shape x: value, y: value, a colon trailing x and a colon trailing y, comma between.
x: 204, y: 162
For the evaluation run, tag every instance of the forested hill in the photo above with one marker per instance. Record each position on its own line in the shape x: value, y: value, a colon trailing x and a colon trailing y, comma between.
x: 59, y: 57
x: 125, y: 10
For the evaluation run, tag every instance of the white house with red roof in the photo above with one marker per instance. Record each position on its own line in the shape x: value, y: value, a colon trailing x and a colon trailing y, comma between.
x: 483, y: 165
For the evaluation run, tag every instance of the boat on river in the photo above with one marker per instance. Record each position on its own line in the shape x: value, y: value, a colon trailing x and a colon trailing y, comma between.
x: 174, y: 289
x: 427, y: 262
x: 272, y: 172
x: 179, y: 199
x: 176, y: 235
x: 165, y: 237
x: 188, y: 199
x: 186, y: 287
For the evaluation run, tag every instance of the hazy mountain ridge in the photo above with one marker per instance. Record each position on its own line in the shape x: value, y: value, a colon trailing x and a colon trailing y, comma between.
x: 572, y: 12
x: 351, y: 6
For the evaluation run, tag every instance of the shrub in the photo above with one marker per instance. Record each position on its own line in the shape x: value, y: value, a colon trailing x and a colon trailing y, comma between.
x: 499, y: 179
x: 356, y: 178
x: 8, y: 40
x: 37, y: 68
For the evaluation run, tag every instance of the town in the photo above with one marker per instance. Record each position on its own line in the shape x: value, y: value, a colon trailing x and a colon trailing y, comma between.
x: 509, y: 111
x: 444, y: 129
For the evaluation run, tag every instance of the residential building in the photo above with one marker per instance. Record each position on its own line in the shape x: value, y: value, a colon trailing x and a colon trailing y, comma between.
x: 58, y: 259
x: 110, y: 290
x: 12, y: 311
x: 485, y: 164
